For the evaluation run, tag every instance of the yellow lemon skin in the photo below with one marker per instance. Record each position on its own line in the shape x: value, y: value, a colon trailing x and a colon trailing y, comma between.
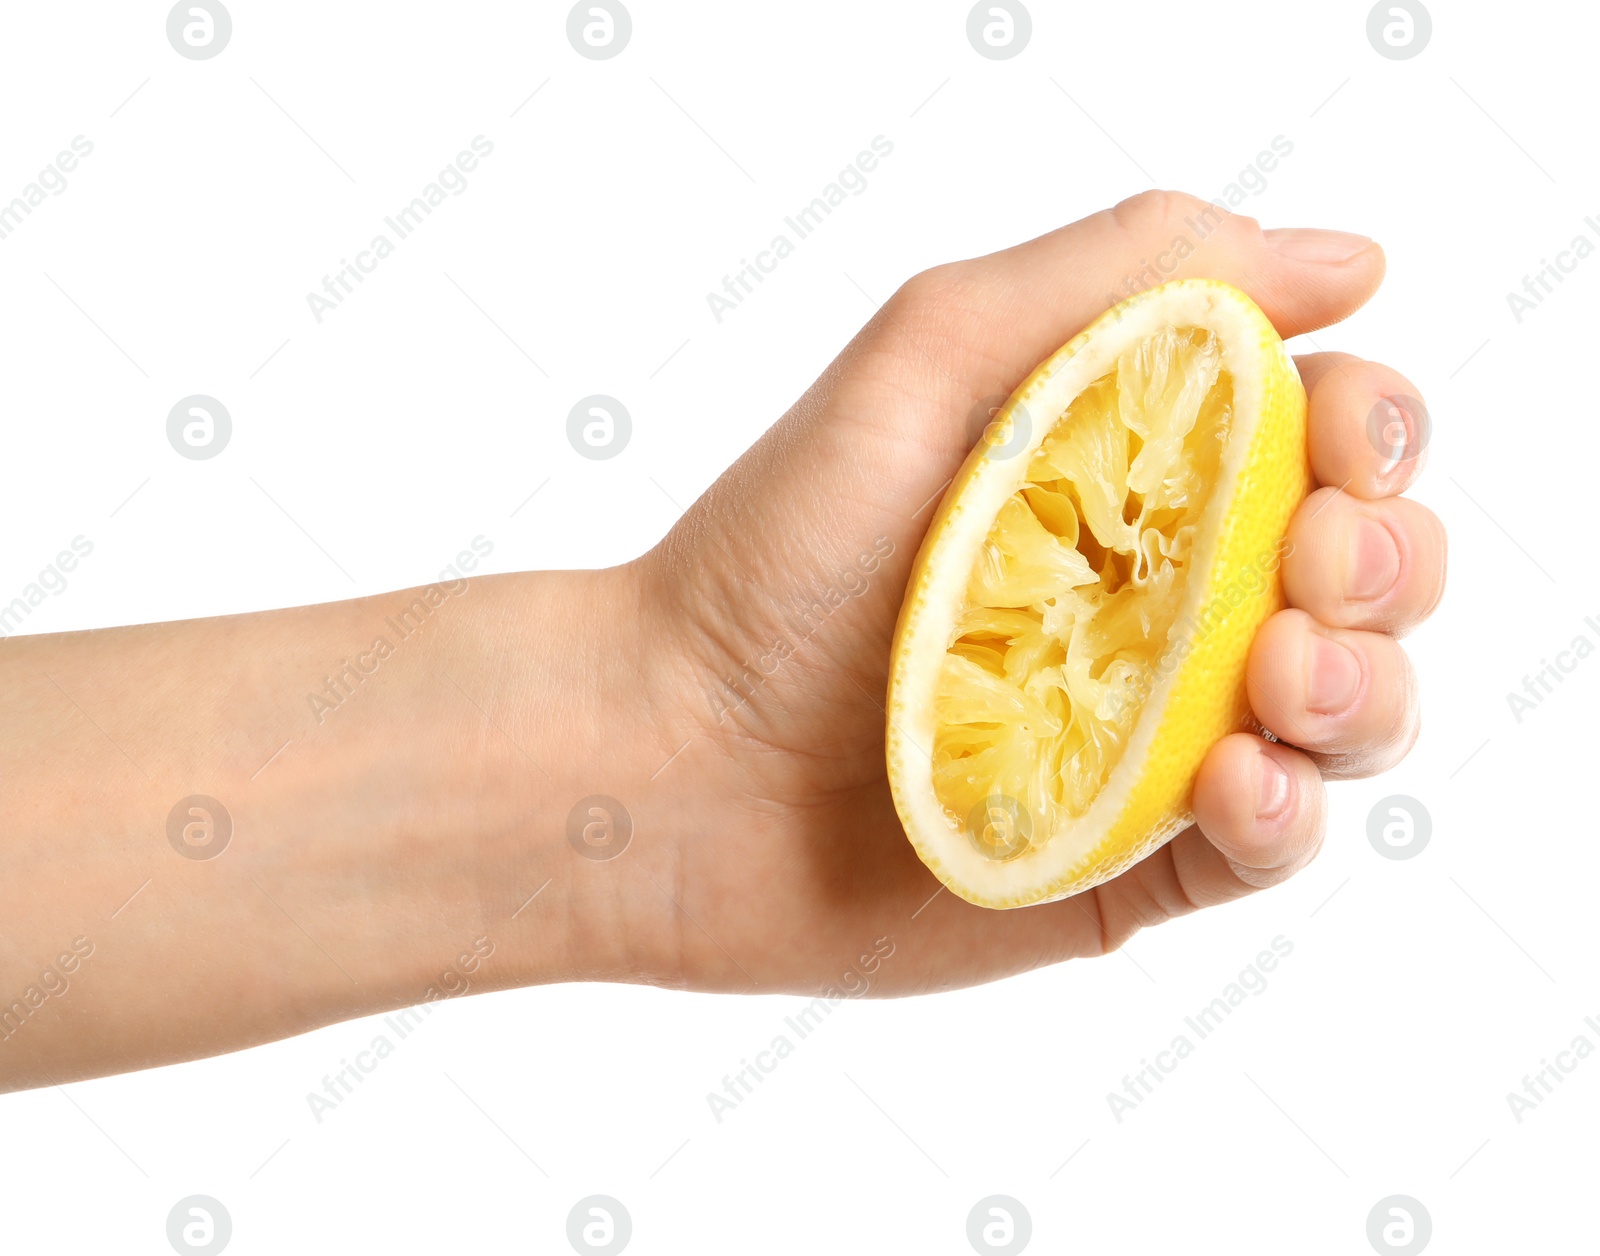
x: 1200, y: 693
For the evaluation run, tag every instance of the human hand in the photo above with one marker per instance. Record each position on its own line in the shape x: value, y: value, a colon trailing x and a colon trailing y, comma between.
x: 781, y: 587
x: 728, y: 687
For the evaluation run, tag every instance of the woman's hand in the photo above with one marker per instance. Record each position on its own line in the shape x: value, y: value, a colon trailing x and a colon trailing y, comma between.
x: 773, y: 832
x: 410, y: 796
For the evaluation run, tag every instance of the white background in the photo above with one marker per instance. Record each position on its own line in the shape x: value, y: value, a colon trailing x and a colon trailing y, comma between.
x: 1418, y: 993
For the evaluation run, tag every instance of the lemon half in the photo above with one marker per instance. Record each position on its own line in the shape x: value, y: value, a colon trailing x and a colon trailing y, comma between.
x: 1076, y: 628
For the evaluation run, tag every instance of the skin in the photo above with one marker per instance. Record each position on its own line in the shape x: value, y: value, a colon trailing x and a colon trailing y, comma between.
x: 424, y: 819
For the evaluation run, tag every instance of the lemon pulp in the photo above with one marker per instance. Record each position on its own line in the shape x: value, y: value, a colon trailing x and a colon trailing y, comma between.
x: 1073, y: 600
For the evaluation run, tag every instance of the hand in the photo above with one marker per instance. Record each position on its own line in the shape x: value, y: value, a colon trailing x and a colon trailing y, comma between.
x: 408, y: 836
x: 787, y: 861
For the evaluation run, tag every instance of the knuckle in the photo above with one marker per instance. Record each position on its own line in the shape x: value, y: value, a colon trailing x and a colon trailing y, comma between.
x: 1308, y: 536
x: 1253, y: 878
x: 1162, y: 214
x: 1242, y: 226
x: 934, y: 291
x: 1155, y: 208
x: 1282, y: 636
x: 933, y: 306
x: 1316, y: 505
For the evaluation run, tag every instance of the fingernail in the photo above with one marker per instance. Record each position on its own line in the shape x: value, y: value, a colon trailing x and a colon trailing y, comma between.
x: 1272, y: 790
x: 1374, y: 561
x: 1335, y: 677
x: 1311, y: 244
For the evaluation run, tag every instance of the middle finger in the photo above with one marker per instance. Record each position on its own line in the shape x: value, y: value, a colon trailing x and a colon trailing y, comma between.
x: 1364, y: 564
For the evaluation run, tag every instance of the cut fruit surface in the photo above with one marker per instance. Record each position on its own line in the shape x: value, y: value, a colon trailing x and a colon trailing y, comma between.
x: 1075, y: 632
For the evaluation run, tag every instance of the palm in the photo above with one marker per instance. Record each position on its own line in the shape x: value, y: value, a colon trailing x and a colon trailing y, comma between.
x: 798, y: 716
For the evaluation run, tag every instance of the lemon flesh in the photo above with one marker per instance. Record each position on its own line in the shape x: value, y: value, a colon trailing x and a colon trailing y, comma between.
x: 1072, y: 602
x: 1075, y: 633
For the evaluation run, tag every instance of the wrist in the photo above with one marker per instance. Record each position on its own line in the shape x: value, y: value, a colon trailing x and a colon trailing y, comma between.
x: 560, y: 770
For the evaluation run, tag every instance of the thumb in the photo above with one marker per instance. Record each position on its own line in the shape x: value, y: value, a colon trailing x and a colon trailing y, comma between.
x: 1042, y: 293
x: 854, y: 470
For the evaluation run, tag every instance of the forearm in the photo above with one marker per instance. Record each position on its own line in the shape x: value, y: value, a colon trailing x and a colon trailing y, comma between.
x: 396, y: 778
